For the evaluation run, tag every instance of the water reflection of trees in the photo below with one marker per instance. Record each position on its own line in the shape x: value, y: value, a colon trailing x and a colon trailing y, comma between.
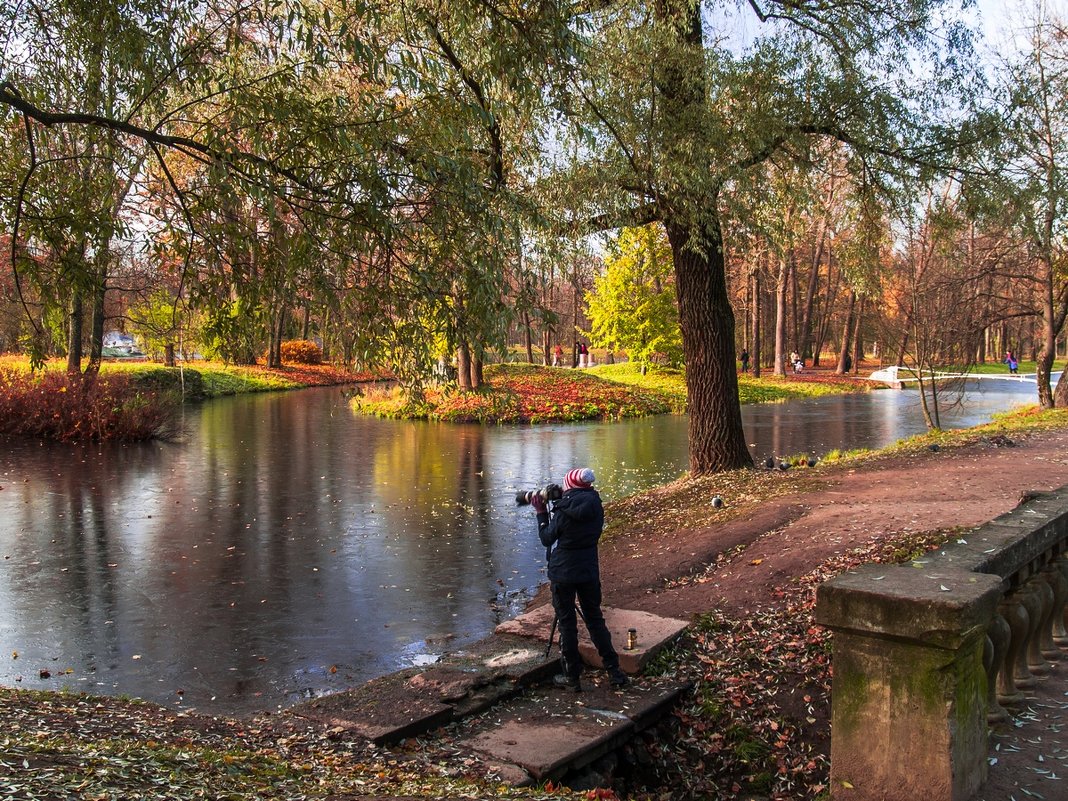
x: 285, y: 535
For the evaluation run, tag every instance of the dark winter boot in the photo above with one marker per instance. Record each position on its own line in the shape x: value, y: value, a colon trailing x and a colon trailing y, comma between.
x: 616, y: 677
x: 569, y: 678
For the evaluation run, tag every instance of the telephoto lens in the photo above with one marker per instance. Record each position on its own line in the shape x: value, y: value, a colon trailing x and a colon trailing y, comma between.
x: 523, y: 498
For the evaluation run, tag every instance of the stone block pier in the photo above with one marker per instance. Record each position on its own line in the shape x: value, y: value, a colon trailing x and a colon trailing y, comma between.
x: 928, y: 655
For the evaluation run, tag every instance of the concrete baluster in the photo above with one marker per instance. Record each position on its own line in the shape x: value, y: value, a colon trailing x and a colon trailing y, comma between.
x: 1060, y: 631
x: 997, y: 637
x: 1043, y: 595
x: 1012, y: 610
x: 1059, y: 586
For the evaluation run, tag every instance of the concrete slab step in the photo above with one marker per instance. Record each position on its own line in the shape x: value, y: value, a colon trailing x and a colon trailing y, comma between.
x: 411, y: 702
x: 653, y: 633
x: 547, y: 734
x: 414, y: 701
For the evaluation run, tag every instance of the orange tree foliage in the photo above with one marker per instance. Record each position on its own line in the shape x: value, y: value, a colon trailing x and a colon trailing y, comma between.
x: 301, y: 351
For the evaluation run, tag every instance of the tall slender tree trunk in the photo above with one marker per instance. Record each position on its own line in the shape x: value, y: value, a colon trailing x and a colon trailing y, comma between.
x: 529, y: 337
x: 274, y: 351
x: 747, y: 327
x: 324, y: 332
x: 96, y: 323
x: 834, y: 279
x: 782, y: 285
x: 757, y: 312
x: 74, y: 335
x: 858, y: 337
x: 575, y: 320
x: 1053, y: 318
x: 847, y: 330
x: 804, y: 345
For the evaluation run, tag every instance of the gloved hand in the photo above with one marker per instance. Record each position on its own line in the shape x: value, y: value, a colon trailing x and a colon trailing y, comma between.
x: 538, y: 503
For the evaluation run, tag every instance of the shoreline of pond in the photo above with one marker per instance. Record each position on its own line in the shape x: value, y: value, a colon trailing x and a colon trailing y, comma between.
x: 513, y: 393
x: 49, y: 730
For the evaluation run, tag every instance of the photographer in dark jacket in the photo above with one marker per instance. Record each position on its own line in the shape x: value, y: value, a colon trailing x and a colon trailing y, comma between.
x: 570, y: 535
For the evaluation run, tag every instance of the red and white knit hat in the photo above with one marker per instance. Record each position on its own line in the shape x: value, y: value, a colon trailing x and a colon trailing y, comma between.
x: 579, y: 478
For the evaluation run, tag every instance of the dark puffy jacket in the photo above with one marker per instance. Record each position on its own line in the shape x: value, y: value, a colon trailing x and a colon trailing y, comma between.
x: 576, y: 525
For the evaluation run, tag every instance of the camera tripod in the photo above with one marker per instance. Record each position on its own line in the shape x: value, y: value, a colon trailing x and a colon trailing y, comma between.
x: 556, y: 622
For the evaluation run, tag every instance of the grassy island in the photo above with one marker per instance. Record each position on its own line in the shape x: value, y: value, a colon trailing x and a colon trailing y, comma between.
x: 525, y: 393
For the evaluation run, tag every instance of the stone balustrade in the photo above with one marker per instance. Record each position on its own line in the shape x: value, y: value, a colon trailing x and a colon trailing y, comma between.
x: 930, y: 653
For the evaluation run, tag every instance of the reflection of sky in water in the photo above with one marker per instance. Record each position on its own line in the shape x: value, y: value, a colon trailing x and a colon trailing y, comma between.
x: 287, y: 547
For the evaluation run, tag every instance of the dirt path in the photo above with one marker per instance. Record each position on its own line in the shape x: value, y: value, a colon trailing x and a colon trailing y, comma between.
x: 761, y: 548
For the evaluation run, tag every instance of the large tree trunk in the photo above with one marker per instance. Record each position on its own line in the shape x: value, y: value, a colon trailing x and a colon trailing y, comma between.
x: 717, y: 440
x: 463, y: 366
x: 477, y: 378
x: 1053, y: 317
x: 1060, y: 395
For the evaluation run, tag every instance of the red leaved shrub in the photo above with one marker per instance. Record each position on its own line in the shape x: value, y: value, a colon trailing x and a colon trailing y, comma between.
x: 301, y: 351
x: 58, y: 406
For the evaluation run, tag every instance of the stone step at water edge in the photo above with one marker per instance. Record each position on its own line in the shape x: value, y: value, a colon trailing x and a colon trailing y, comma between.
x: 413, y: 701
x: 547, y: 734
x: 649, y: 633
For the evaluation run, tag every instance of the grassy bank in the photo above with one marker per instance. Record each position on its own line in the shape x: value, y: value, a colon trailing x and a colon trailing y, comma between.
x: 132, y: 400
x: 207, y: 379
x: 523, y: 393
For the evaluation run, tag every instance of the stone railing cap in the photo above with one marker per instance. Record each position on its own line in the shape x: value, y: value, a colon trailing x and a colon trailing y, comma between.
x: 931, y: 606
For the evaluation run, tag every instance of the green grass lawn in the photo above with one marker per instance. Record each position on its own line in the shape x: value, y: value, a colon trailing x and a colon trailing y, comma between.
x: 769, y: 388
x: 210, y: 379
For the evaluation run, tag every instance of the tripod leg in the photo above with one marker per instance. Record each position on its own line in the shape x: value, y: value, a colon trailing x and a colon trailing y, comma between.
x: 552, y: 634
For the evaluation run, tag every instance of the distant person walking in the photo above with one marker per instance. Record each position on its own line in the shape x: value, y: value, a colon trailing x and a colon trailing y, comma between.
x: 558, y: 355
x: 1010, y: 360
x: 584, y: 355
x: 745, y: 360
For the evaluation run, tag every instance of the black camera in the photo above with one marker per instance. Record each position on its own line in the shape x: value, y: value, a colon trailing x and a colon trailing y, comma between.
x: 550, y: 492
